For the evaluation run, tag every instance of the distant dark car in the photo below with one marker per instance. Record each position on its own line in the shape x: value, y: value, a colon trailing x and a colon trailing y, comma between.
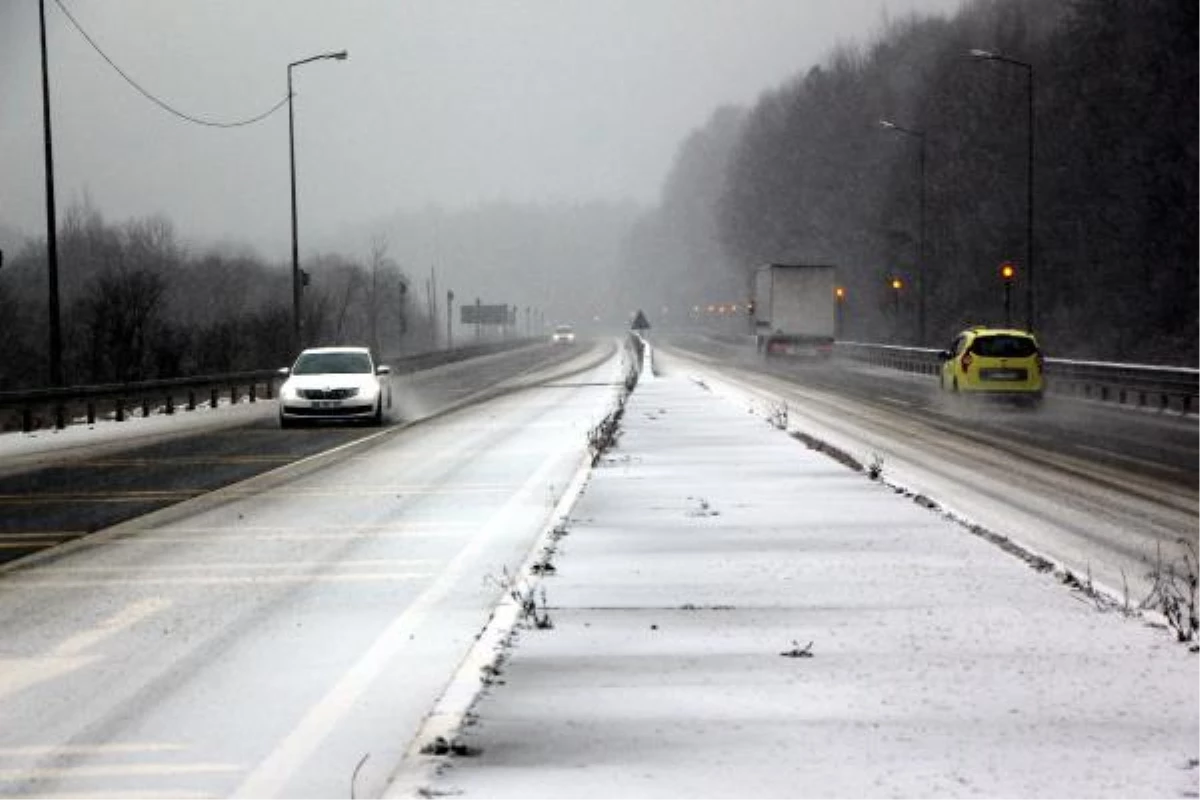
x: 334, y: 383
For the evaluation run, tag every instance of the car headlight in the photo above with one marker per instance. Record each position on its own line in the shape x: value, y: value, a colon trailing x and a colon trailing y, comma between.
x: 287, y: 392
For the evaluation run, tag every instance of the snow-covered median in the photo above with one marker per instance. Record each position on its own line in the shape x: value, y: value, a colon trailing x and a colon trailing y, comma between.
x: 735, y: 614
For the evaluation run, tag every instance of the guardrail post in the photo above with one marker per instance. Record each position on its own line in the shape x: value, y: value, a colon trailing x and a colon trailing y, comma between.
x: 145, y: 407
x: 233, y: 395
x: 270, y: 393
x: 213, y: 397
x: 26, y: 420
x: 119, y: 410
x: 191, y: 406
x: 91, y: 412
x: 253, y: 386
x: 60, y: 416
x: 170, y: 409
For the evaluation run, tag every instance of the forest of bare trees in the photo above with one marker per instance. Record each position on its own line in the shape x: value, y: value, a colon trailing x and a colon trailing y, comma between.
x: 137, y: 305
x: 808, y: 174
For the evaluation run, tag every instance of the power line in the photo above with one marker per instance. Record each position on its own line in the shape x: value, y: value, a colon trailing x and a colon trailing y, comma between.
x: 160, y: 103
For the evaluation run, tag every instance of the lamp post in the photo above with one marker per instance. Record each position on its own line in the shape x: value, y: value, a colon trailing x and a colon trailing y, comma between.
x: 920, y: 271
x: 897, y: 284
x: 1007, y: 273
x: 984, y: 55
x: 297, y: 288
x: 839, y: 297
x: 56, y: 374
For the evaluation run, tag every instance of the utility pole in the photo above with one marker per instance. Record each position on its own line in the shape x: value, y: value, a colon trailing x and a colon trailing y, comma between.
x: 56, y: 374
x: 449, y: 318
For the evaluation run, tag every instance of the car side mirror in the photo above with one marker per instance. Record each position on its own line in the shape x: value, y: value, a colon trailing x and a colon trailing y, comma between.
x: 285, y: 371
x: 383, y: 370
x: 943, y: 355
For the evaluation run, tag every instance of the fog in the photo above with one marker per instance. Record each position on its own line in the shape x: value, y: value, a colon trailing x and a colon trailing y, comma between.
x: 447, y: 104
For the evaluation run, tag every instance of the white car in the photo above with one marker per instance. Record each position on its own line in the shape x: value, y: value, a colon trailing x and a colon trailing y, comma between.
x: 563, y: 334
x: 334, y: 383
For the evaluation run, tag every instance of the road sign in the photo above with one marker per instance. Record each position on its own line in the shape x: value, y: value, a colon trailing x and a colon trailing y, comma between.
x: 486, y: 315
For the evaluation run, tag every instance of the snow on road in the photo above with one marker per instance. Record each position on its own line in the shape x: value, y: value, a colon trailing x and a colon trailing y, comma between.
x: 735, y: 615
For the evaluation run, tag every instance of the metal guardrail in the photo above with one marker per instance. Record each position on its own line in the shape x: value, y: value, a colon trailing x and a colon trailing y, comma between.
x: 1146, y: 386
x: 43, y: 408
x: 35, y: 409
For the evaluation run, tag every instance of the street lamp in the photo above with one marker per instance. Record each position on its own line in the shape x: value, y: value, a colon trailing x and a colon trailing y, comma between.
x: 839, y: 296
x: 297, y: 288
x: 1007, y: 273
x: 984, y: 55
x: 897, y: 285
x: 920, y: 273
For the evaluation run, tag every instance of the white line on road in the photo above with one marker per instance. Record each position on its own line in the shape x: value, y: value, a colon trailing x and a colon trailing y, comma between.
x: 273, y: 773
x: 1126, y: 457
x: 125, y: 618
x: 22, y: 751
x: 216, y: 580
x: 118, y: 770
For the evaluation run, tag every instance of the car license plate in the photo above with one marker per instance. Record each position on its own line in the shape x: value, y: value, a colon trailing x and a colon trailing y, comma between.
x: 1003, y: 375
x: 326, y: 403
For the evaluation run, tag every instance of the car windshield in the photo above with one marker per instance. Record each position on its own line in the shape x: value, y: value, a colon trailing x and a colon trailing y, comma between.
x: 1003, y: 346
x: 332, y: 363
x: 563, y: 329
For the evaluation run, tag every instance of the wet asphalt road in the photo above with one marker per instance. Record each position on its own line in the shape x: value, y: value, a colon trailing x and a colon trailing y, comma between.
x: 1162, y: 445
x: 73, y: 496
x: 285, y: 637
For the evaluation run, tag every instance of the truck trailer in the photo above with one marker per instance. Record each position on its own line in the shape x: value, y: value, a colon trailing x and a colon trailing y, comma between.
x: 794, y: 309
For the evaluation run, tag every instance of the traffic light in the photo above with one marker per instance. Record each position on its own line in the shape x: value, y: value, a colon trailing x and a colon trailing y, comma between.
x: 1008, y: 271
x: 840, y: 293
x: 897, y: 284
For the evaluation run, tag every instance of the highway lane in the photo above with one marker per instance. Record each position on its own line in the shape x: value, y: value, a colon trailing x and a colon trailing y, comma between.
x: 58, y: 495
x: 1106, y: 509
x: 284, y: 636
x: 1164, y: 445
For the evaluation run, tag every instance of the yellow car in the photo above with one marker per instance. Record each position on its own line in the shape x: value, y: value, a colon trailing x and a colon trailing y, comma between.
x: 999, y: 362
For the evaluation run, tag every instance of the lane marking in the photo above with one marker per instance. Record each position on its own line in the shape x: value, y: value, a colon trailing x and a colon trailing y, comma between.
x: 272, y: 774
x: 239, y: 566
x: 182, y: 461
x: 1125, y: 457
x: 114, y: 770
x: 196, y: 580
x: 130, y: 615
x: 150, y: 495
x: 20, y: 751
x: 896, y: 401
x: 119, y: 794
x: 18, y: 674
x: 156, y: 539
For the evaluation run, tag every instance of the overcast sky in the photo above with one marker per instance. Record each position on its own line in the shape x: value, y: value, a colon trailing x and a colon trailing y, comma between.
x: 443, y: 102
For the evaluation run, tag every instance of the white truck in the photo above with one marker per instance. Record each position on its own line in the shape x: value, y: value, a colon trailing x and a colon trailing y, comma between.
x: 794, y: 309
